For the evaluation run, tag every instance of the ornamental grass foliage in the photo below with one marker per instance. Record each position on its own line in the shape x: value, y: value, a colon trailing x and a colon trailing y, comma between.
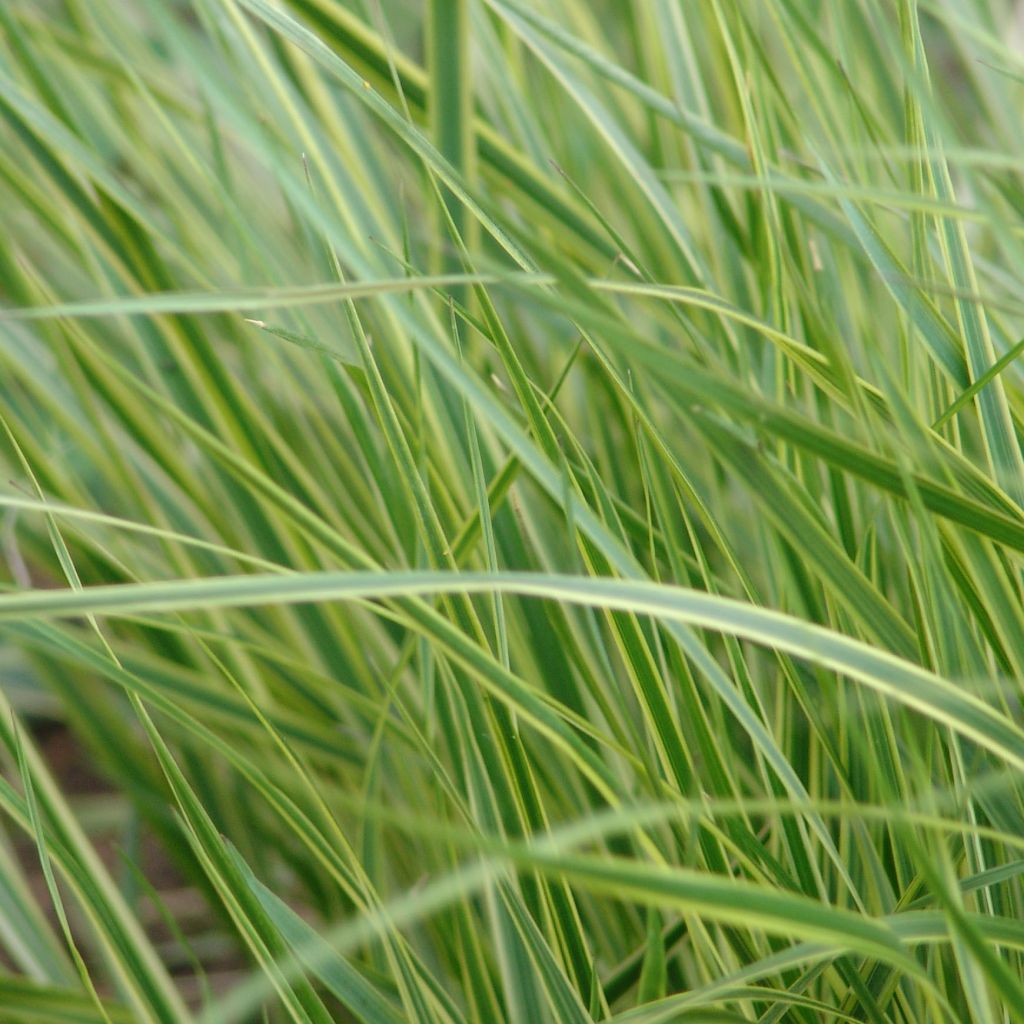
x: 511, y: 511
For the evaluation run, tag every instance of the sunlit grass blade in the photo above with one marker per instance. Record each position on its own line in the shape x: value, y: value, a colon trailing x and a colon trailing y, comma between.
x: 512, y: 511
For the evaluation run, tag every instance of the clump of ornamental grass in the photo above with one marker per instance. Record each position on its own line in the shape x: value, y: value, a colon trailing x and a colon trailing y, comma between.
x: 513, y: 511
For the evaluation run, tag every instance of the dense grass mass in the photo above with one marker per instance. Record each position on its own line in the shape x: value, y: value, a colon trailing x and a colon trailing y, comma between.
x: 514, y: 511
